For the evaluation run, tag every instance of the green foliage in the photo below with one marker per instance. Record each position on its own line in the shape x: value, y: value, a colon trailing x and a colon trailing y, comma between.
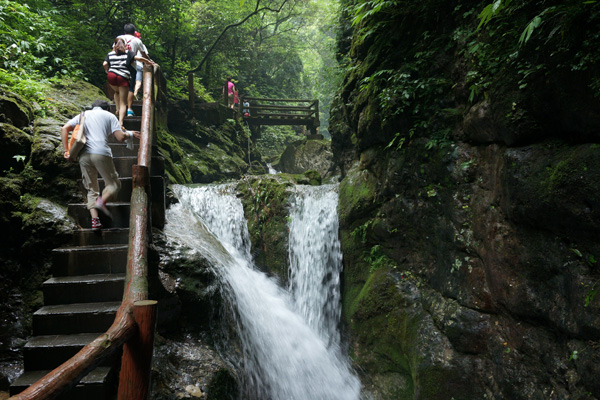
x: 274, y: 140
x: 377, y: 259
x: 373, y: 15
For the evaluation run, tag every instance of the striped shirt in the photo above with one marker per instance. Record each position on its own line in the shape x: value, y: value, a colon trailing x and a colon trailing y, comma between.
x: 120, y: 64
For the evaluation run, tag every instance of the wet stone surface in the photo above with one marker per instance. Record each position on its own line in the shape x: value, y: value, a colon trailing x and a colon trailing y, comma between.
x: 184, y: 367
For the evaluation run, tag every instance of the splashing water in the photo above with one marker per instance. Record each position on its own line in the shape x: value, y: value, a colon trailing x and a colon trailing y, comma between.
x: 316, y: 259
x: 285, y: 357
x: 272, y: 171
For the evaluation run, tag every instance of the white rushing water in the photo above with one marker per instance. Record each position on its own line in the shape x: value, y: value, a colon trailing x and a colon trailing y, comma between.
x: 316, y: 259
x: 289, y: 337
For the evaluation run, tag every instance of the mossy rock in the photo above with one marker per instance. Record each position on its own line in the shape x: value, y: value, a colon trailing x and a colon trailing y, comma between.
x: 554, y: 186
x: 15, y: 110
x: 16, y: 147
x: 358, y: 193
x: 67, y: 98
x: 305, y: 155
x: 266, y: 201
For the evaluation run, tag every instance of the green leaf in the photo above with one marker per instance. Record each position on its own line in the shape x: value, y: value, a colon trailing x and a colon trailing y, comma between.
x: 535, y: 22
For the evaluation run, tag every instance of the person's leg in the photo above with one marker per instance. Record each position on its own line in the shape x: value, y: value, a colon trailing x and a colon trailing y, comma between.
x: 90, y: 183
x: 130, y: 96
x: 116, y: 97
x: 123, y: 91
x: 106, y: 168
x: 138, y: 80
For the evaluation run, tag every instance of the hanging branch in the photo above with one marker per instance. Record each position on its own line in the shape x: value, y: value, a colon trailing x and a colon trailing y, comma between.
x: 257, y: 10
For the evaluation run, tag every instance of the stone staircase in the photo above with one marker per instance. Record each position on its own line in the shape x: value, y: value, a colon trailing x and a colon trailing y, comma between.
x: 85, y: 291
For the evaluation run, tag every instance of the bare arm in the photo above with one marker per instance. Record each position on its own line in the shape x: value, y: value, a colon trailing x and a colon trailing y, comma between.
x: 123, y: 136
x: 145, y: 60
x: 64, y: 134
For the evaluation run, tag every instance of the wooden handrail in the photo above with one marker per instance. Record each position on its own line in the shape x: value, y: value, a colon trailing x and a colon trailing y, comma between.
x: 127, y: 327
x: 281, y: 115
x: 280, y: 100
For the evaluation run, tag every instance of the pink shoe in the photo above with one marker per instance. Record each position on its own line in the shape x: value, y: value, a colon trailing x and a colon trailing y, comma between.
x: 96, y: 224
x: 101, y: 206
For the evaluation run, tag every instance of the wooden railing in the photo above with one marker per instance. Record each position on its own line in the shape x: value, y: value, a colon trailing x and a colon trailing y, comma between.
x: 134, y: 324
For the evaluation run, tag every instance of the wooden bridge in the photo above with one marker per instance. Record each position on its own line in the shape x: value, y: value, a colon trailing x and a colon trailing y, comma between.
x: 264, y: 111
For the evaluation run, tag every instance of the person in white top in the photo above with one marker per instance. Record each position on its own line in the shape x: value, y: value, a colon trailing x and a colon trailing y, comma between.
x: 134, y: 44
x: 96, y: 157
x: 139, y: 69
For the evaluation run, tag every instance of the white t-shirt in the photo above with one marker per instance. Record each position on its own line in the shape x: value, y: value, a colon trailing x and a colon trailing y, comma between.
x: 99, y: 124
x: 134, y: 44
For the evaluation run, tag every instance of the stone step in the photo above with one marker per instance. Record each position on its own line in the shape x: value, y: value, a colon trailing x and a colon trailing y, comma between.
x: 136, y: 107
x: 90, y: 237
x: 133, y: 123
x: 48, y: 352
x: 83, y: 289
x: 67, y: 319
x: 119, y: 211
x: 99, y: 384
x: 93, y: 259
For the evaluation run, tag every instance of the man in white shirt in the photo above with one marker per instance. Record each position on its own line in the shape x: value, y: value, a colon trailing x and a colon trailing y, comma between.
x: 134, y: 44
x: 96, y: 156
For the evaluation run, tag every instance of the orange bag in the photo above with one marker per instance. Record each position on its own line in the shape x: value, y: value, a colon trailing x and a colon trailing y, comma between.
x: 77, y: 140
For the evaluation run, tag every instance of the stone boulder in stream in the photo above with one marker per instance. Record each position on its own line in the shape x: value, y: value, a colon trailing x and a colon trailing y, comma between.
x: 308, y: 154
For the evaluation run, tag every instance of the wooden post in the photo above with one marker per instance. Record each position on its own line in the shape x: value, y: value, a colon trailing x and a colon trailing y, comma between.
x: 191, y: 92
x: 134, y: 380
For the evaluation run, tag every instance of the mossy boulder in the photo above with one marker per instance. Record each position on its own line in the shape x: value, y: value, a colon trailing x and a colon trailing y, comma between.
x: 399, y: 342
x: 14, y: 110
x: 16, y: 145
x: 358, y: 194
x: 266, y: 200
x: 66, y: 98
x: 304, y: 155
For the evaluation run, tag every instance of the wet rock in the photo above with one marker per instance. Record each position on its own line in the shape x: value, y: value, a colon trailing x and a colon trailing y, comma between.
x: 183, y: 365
x: 305, y: 155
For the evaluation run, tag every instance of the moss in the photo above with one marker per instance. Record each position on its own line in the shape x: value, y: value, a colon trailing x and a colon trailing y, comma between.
x: 173, y: 155
x: 14, y: 109
x: 357, y: 194
x: 266, y: 200
x: 386, y: 331
x: 66, y: 98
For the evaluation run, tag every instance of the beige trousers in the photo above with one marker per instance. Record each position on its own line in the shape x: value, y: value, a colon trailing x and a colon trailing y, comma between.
x: 91, y: 165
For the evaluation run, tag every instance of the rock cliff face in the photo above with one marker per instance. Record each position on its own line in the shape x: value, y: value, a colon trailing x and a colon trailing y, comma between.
x: 469, y: 209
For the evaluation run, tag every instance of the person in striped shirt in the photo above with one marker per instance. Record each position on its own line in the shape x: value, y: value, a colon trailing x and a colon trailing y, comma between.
x: 118, y: 65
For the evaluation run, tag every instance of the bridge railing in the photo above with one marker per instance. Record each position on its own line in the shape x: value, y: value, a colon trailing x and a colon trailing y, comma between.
x: 134, y: 324
x: 282, y: 108
x: 266, y: 111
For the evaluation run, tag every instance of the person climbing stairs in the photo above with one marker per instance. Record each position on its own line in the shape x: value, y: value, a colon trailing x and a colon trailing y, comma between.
x: 86, y: 288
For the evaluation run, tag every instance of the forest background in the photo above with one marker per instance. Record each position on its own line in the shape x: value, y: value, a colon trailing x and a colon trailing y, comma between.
x: 270, y: 48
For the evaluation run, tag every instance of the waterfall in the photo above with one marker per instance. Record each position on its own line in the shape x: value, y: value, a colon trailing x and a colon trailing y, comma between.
x: 316, y: 259
x: 272, y: 171
x: 289, y: 350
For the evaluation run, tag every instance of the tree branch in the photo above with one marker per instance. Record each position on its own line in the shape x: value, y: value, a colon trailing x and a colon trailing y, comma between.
x: 257, y: 10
